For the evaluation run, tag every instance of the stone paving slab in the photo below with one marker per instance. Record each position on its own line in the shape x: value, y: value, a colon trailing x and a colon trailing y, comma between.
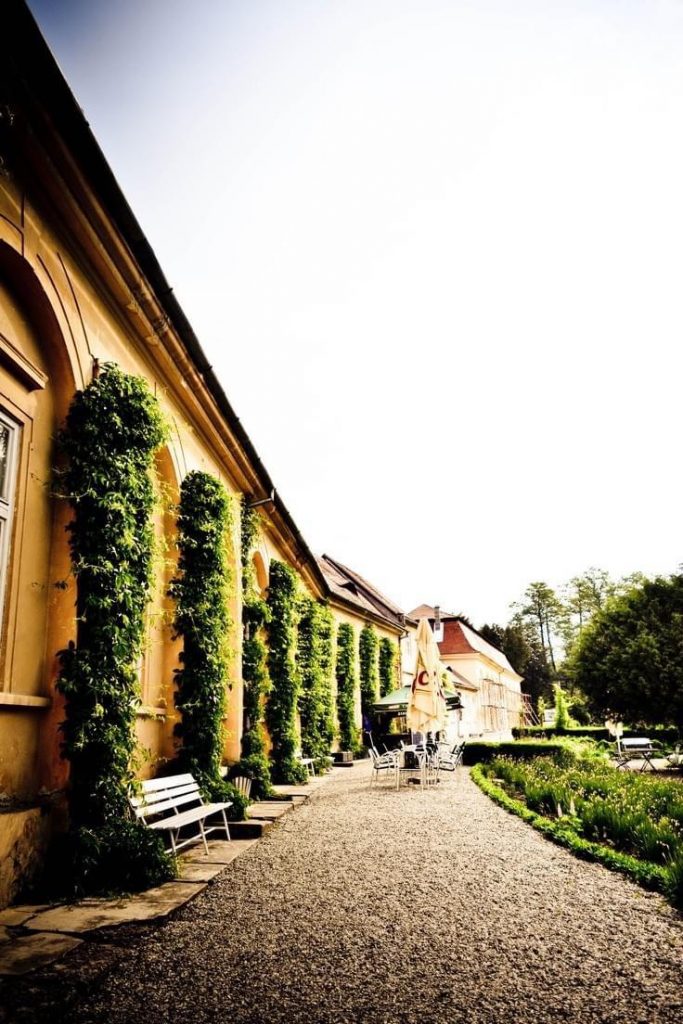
x: 18, y: 915
x: 269, y: 810
x: 88, y: 915
x: 222, y: 852
x: 293, y: 791
x: 199, y: 871
x: 21, y: 954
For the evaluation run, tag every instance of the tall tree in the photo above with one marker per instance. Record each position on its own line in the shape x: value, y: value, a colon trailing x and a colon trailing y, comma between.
x: 583, y: 596
x: 629, y: 662
x: 542, y: 609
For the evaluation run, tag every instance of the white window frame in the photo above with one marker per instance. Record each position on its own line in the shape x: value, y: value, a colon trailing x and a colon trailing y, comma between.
x: 7, y: 505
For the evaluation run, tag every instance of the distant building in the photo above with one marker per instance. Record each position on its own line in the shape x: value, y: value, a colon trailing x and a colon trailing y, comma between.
x: 489, y: 687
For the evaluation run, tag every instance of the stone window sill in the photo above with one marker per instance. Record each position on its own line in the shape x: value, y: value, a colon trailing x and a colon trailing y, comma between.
x: 25, y: 701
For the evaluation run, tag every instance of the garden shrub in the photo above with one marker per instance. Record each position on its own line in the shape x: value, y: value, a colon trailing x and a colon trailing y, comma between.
x: 561, y: 831
x: 388, y: 660
x: 284, y: 694
x: 314, y: 664
x: 345, y: 669
x: 368, y: 649
x: 255, y: 618
x: 112, y: 431
x: 667, y: 736
x: 625, y: 819
x: 481, y: 752
x: 201, y: 591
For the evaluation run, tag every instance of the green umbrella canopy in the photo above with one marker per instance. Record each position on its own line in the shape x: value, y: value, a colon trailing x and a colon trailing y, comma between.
x: 397, y: 700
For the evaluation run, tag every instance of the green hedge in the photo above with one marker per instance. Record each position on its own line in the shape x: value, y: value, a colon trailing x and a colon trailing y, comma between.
x: 666, y: 736
x: 482, y: 752
x: 651, y: 876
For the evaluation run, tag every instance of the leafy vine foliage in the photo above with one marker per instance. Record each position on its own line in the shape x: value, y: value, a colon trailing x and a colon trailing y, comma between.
x: 201, y: 591
x: 346, y: 686
x: 255, y: 617
x: 111, y: 433
x: 314, y: 662
x: 388, y: 659
x: 282, y: 702
x: 369, y: 675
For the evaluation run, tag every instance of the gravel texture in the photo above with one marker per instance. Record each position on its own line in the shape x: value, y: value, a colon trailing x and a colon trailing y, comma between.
x: 387, y: 907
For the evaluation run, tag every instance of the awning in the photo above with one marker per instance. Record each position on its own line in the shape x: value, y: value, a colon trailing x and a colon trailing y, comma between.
x: 397, y: 700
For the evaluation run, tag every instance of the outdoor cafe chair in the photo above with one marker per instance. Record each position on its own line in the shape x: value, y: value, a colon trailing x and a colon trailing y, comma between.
x: 451, y: 759
x: 387, y: 763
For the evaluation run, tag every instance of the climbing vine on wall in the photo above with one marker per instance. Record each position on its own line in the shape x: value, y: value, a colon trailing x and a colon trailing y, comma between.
x: 112, y: 431
x: 346, y: 687
x: 255, y: 617
x: 369, y: 675
x: 201, y: 592
x: 388, y: 660
x: 282, y: 701
x: 314, y: 664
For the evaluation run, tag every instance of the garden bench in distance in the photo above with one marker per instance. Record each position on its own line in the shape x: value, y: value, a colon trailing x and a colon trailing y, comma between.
x: 159, y: 807
x: 635, y: 748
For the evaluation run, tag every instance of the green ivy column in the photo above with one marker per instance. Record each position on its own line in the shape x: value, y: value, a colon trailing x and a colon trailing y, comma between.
x: 369, y: 675
x: 388, y: 658
x: 282, y: 701
x: 111, y: 433
x: 314, y: 664
x: 201, y: 592
x: 346, y: 687
x: 255, y: 617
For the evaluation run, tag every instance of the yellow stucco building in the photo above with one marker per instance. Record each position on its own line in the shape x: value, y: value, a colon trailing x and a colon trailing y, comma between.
x: 80, y: 287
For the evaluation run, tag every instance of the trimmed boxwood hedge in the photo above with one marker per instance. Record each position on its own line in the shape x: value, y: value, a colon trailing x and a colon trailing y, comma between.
x: 482, y: 752
x: 597, y: 732
x: 650, y: 876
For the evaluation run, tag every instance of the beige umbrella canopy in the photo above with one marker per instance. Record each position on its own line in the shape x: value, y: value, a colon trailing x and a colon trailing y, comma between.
x: 427, y: 704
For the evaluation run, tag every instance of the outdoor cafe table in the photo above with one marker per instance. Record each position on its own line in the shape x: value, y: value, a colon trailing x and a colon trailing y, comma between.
x: 635, y: 748
x: 426, y: 762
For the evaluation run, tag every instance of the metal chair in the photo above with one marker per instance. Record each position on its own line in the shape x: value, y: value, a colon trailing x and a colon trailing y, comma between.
x: 451, y: 759
x: 383, y: 763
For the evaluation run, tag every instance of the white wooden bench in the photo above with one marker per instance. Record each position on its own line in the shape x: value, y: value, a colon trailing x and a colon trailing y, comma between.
x: 307, y: 762
x: 159, y: 805
x: 635, y: 748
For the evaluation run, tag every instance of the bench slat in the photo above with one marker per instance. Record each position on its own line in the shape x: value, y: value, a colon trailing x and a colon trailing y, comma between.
x: 149, y: 800
x: 188, y: 817
x: 150, y: 785
x: 167, y: 805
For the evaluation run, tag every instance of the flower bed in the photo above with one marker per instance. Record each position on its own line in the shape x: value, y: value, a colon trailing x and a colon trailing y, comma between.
x: 629, y: 821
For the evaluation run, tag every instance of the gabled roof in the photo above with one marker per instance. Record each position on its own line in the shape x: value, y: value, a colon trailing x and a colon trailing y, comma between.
x: 460, y: 682
x: 354, y: 590
x: 459, y: 637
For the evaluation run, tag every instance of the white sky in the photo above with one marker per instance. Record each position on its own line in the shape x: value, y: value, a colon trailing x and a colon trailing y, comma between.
x: 434, y: 251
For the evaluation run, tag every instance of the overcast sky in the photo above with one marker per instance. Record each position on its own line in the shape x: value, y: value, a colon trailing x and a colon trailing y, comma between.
x: 434, y: 250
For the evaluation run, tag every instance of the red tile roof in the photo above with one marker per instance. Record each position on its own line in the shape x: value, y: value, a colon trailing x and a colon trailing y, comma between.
x: 461, y: 638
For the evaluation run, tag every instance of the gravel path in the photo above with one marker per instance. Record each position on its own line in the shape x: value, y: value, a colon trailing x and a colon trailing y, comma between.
x: 387, y: 907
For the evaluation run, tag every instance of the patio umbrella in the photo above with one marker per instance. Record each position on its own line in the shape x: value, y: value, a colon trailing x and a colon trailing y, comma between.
x: 427, y: 704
